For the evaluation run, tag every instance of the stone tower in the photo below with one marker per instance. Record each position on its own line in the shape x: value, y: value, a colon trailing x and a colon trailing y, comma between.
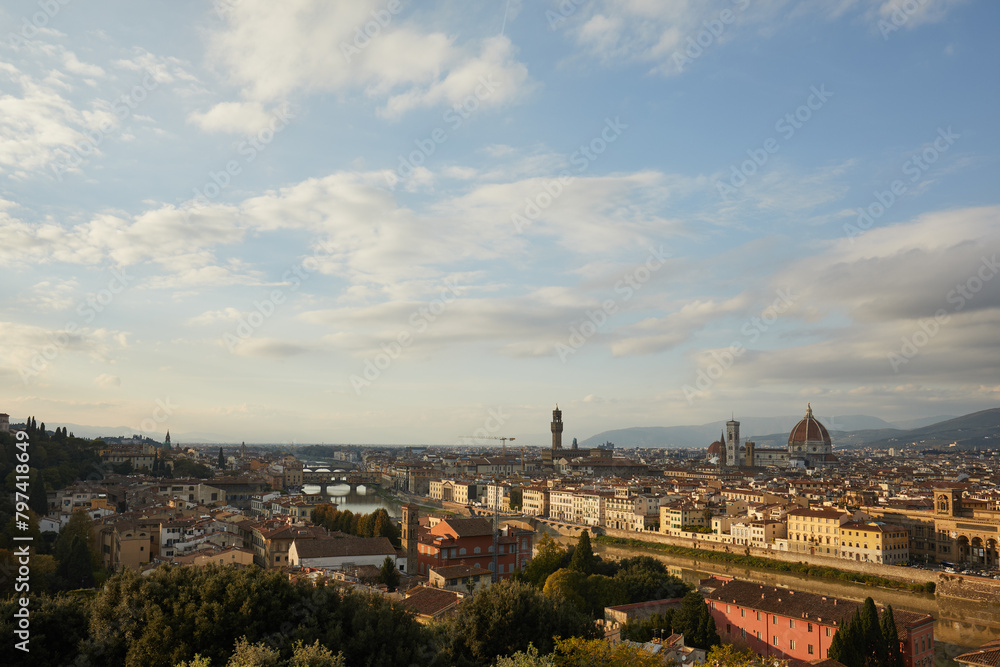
x: 557, y: 428
x: 411, y: 533
x: 732, y: 442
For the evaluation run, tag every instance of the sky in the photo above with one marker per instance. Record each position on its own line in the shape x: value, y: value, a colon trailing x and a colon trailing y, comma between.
x: 409, y: 222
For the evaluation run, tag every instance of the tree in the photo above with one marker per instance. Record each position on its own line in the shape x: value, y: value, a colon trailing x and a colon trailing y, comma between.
x: 727, y: 655
x: 389, y: 575
x: 864, y: 640
x: 569, y: 585
x: 893, y: 653
x: 579, y: 652
x: 222, y: 460
x: 583, y: 556
x: 76, y: 570
x: 507, y: 617
x: 550, y: 556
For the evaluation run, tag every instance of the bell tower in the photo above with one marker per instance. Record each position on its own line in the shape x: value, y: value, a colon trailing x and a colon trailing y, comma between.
x: 732, y: 442
x: 557, y: 428
x: 411, y: 533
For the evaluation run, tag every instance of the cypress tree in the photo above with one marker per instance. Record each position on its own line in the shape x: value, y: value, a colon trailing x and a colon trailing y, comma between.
x: 890, y: 637
x: 583, y: 555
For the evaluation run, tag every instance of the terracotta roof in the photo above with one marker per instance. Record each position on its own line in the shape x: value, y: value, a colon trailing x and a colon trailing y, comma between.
x: 427, y: 601
x: 809, y: 430
x: 338, y: 547
x: 987, y: 655
x: 809, y: 606
x: 467, y: 527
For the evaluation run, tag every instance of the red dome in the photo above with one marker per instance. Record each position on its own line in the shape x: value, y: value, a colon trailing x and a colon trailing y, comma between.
x: 716, y: 448
x: 809, y: 430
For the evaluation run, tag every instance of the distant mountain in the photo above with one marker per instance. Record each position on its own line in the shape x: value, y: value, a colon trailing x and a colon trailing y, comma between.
x: 706, y: 434
x: 920, y: 422
x: 84, y: 431
x: 979, y: 429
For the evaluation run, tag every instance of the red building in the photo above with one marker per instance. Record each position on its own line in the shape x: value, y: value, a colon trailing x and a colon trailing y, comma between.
x: 469, y: 541
x: 783, y: 623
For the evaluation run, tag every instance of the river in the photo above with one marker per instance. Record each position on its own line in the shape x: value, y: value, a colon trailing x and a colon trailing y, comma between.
x: 361, y: 501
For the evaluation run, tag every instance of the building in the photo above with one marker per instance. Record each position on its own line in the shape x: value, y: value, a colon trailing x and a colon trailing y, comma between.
x: 787, y: 624
x: 809, y: 446
x: 336, y: 553
x: 428, y: 603
x: 535, y: 500
x: 470, y: 541
x: 4, y: 422
x: 874, y: 542
x: 987, y: 655
x: 816, y: 531
x: 952, y: 529
x: 550, y: 455
x: 460, y: 578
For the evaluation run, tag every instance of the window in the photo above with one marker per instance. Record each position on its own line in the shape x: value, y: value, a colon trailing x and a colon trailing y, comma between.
x: 809, y: 627
x: 774, y: 640
x: 743, y: 633
x: 477, y: 550
x: 810, y: 649
x: 827, y: 632
x: 791, y: 644
x: 774, y: 620
x: 758, y: 615
x: 461, y: 552
x: 758, y: 634
x: 791, y: 622
x: 743, y: 613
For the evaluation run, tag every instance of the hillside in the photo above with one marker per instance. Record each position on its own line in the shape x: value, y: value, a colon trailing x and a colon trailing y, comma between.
x: 979, y: 429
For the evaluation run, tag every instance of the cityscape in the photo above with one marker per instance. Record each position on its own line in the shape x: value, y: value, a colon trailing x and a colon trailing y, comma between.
x: 498, y: 333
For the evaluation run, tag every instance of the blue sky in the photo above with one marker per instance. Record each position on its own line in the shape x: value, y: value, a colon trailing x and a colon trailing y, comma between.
x: 379, y: 222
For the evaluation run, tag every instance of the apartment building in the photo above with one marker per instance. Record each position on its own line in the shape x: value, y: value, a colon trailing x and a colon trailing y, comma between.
x: 788, y: 624
x: 815, y: 530
x: 874, y: 542
x: 535, y: 501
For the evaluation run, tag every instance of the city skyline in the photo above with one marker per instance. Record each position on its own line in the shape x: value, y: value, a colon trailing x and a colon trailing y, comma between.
x: 397, y: 222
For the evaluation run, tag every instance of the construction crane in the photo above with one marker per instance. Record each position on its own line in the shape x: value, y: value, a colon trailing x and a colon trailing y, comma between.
x: 491, y: 437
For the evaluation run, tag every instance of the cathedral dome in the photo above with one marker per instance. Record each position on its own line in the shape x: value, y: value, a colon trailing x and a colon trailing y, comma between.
x: 809, y: 430
x: 716, y: 448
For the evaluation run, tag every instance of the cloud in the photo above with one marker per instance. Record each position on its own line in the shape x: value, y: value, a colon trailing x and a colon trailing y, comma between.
x: 238, y: 117
x: 268, y: 348
x: 271, y: 51
x: 107, y: 381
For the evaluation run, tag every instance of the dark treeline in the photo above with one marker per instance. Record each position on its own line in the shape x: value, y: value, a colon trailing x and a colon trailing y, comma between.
x: 376, y: 524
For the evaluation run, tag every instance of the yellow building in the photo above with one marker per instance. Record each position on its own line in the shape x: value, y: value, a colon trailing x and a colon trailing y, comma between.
x: 815, y: 531
x: 874, y: 542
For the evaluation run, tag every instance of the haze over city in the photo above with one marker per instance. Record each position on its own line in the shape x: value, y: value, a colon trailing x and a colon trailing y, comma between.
x: 375, y: 222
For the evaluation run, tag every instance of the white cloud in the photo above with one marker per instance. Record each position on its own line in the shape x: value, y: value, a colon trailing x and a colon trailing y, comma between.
x: 273, y: 50
x: 238, y: 117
